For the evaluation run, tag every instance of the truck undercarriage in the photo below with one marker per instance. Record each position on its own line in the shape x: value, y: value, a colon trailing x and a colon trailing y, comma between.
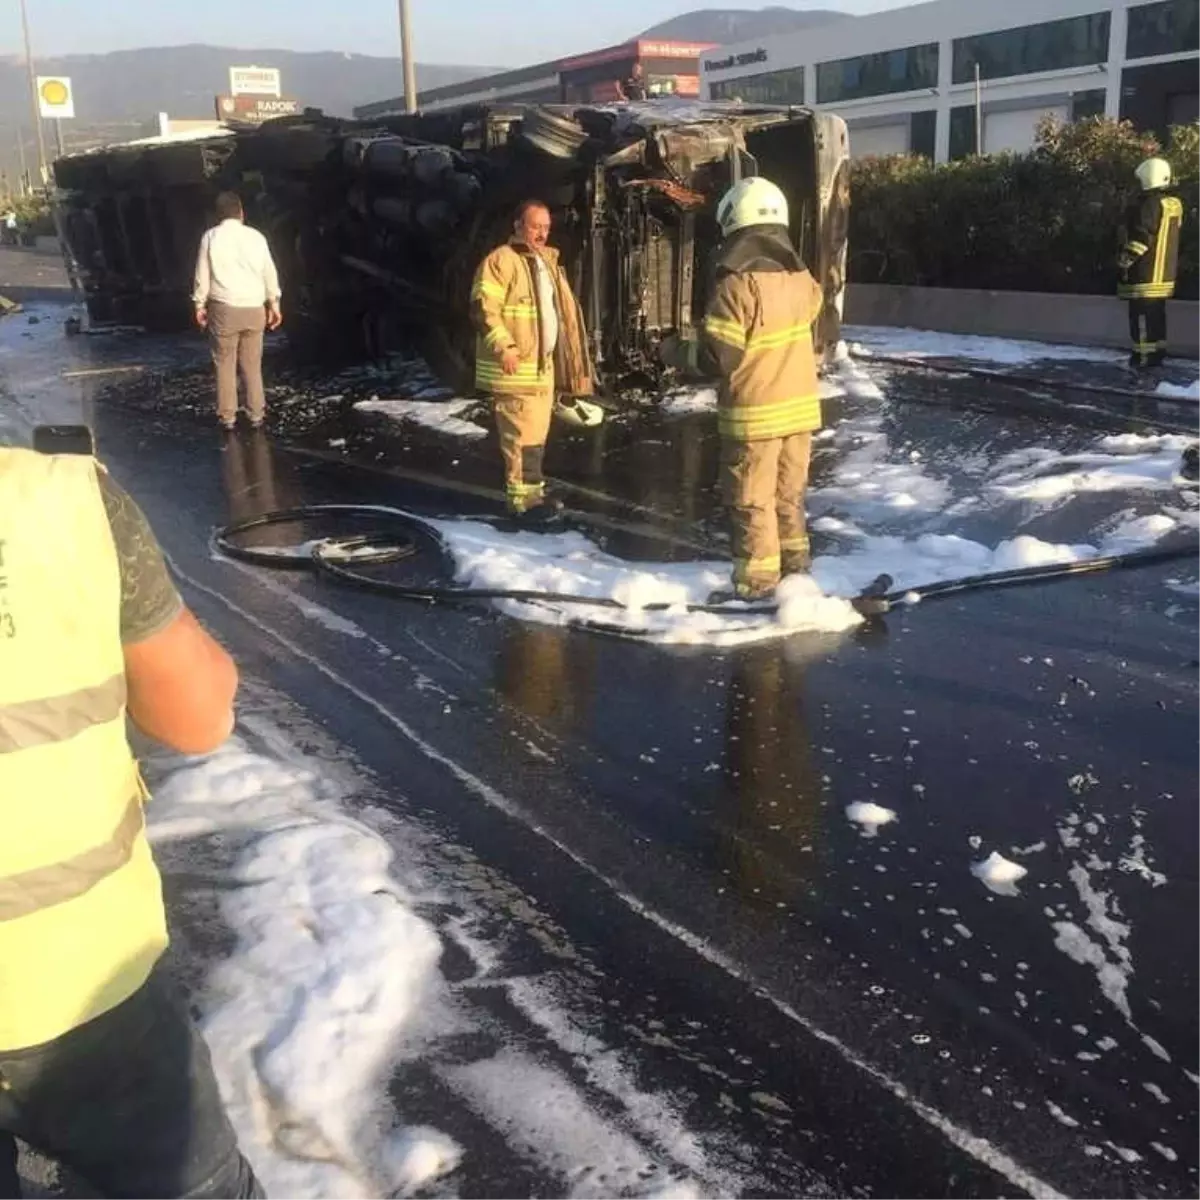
x: 377, y: 227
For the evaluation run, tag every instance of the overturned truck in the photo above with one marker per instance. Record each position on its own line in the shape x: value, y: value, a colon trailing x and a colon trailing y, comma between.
x: 378, y: 227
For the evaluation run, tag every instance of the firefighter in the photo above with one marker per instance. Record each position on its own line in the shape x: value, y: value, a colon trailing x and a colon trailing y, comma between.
x: 1147, y: 261
x: 757, y: 338
x: 531, y: 345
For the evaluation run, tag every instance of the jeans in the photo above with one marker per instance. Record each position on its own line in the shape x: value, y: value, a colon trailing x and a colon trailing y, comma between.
x: 128, y: 1102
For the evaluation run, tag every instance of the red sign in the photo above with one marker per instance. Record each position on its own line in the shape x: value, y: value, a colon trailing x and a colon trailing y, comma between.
x: 636, y: 50
x: 256, y: 109
x: 673, y: 49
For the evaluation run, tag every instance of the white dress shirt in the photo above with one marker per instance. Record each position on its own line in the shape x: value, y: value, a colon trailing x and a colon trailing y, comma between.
x: 235, y: 267
x: 547, y: 305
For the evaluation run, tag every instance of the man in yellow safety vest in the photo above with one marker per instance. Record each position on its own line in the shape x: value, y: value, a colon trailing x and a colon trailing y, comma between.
x: 100, y: 1066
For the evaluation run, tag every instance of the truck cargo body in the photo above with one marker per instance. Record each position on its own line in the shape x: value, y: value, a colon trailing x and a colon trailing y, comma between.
x: 377, y: 227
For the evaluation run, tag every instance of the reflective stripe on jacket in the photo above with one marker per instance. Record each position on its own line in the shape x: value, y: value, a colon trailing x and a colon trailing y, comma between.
x: 758, y: 330
x: 1150, y: 238
x: 504, y: 309
x: 81, y: 913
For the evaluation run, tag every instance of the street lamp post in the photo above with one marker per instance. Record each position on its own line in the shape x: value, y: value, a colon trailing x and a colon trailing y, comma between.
x: 33, y: 97
x: 410, y: 73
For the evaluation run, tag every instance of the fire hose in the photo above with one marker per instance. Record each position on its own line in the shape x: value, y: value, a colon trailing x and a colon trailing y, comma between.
x: 340, y: 558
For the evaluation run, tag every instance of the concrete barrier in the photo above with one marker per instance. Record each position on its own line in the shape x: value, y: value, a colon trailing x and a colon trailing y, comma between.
x: 1039, y: 316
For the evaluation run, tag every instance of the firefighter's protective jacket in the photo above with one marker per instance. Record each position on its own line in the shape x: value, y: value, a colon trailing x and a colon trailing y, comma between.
x: 504, y: 308
x: 1150, y: 247
x: 81, y: 911
x: 757, y: 337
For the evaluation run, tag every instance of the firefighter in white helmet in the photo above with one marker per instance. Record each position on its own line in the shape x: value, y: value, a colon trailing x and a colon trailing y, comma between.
x: 757, y: 339
x: 1147, y: 261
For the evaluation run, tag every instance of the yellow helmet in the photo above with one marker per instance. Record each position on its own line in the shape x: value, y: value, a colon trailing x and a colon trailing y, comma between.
x: 1154, y: 173
x: 753, y: 201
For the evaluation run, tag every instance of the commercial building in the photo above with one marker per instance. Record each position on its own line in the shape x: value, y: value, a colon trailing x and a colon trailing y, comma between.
x: 669, y: 69
x: 905, y: 80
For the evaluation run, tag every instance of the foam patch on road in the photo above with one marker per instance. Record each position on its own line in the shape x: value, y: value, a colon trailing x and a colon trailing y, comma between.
x: 332, y: 965
x: 1179, y: 391
x: 444, y: 416
x: 916, y: 344
x: 1121, y: 462
x: 843, y: 377
x: 570, y: 563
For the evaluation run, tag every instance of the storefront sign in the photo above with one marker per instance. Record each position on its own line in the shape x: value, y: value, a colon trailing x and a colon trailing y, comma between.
x: 254, y: 81
x: 55, y: 98
x: 256, y: 109
x: 736, y: 60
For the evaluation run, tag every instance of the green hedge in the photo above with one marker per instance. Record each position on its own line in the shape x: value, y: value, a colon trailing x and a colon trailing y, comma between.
x: 1045, y: 221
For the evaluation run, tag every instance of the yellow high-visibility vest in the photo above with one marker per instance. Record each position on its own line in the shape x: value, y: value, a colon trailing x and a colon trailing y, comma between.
x: 81, y: 911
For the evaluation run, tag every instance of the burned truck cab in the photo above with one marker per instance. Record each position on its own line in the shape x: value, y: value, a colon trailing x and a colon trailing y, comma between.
x: 633, y: 191
x: 378, y: 226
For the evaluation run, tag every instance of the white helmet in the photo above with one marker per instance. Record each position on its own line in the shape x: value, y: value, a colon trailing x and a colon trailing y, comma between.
x: 1154, y: 173
x: 753, y: 201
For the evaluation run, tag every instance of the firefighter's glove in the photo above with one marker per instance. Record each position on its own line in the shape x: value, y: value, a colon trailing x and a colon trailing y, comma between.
x: 1126, y: 258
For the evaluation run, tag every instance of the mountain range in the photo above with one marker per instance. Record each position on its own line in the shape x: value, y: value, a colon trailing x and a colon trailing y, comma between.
x: 740, y: 25
x: 117, y: 95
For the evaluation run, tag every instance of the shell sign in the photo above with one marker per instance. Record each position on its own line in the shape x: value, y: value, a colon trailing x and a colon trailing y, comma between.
x: 55, y: 98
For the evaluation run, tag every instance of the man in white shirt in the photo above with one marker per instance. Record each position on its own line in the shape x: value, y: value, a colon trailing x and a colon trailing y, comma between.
x: 236, y: 295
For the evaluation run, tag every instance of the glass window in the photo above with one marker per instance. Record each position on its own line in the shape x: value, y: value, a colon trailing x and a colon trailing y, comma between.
x: 1169, y: 28
x: 1087, y: 104
x: 880, y: 74
x: 922, y: 135
x: 962, y: 131
x: 1054, y: 46
x: 771, y: 87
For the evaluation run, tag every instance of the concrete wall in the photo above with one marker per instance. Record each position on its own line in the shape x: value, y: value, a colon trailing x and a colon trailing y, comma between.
x: 1041, y: 316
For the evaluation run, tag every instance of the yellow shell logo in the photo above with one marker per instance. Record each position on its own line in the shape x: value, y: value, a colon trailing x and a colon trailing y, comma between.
x: 55, y: 93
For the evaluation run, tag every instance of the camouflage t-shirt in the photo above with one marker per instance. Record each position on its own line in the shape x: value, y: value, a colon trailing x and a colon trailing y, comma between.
x: 149, y: 599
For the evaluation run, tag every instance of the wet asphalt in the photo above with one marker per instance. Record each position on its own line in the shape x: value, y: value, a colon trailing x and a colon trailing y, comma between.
x: 854, y: 1013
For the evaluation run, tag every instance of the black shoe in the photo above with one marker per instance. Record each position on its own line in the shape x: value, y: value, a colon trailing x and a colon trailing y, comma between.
x: 544, y: 517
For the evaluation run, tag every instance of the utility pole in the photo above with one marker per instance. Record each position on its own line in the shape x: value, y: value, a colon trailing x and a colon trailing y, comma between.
x: 978, y: 113
x: 23, y: 182
x: 33, y: 97
x: 410, y: 72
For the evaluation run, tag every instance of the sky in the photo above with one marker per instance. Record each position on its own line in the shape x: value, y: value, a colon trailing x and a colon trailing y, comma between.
x: 469, y: 32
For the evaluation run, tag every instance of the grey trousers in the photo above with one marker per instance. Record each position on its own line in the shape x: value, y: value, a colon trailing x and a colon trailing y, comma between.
x: 235, y: 336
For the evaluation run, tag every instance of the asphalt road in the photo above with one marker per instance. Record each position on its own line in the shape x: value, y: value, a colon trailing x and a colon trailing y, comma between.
x: 853, y: 1016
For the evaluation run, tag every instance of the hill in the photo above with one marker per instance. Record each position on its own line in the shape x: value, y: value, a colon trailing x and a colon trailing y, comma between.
x: 740, y: 25
x: 118, y: 95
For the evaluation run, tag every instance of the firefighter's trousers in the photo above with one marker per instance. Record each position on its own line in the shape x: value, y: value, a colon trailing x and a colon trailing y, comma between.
x: 523, y: 422
x: 764, y: 483
x: 1147, y: 329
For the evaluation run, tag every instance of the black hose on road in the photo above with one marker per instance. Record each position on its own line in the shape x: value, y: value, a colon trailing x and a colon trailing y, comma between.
x: 339, y: 558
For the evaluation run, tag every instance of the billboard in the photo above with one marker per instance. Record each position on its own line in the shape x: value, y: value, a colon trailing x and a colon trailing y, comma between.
x: 256, y: 109
x: 254, y: 81
x: 55, y: 98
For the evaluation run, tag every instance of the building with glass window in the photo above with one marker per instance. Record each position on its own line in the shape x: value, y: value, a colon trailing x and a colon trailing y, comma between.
x: 669, y: 69
x: 906, y: 80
